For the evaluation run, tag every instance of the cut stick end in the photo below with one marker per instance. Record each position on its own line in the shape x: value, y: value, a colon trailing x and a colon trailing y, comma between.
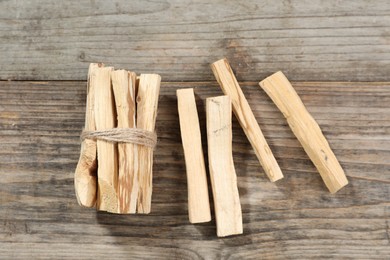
x: 227, y: 235
x: 218, y: 100
x: 95, y: 65
x: 150, y: 76
x: 185, y: 92
x: 336, y: 186
x: 100, y: 64
x: 85, y: 187
x: 197, y: 220
x: 277, y: 176
x: 107, y: 198
x: 223, y: 60
x: 278, y: 74
x: 219, y: 65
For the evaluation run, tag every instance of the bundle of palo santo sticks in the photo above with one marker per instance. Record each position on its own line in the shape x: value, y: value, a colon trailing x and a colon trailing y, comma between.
x: 115, y: 168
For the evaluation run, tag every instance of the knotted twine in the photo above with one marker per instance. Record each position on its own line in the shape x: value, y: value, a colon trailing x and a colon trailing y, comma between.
x: 123, y: 135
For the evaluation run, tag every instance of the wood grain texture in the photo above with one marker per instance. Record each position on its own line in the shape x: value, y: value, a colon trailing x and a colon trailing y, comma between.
x: 325, y: 40
x: 306, y: 129
x: 123, y: 85
x: 147, y: 105
x: 198, y: 194
x: 223, y: 176
x: 40, y: 125
x: 107, y: 152
x: 85, y: 183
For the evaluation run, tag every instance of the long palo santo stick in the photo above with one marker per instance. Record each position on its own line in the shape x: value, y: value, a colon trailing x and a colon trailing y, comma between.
x: 147, y: 103
x: 85, y: 174
x: 198, y: 196
x: 305, y: 129
x: 123, y: 84
x: 229, y: 85
x: 222, y: 173
x: 107, y: 152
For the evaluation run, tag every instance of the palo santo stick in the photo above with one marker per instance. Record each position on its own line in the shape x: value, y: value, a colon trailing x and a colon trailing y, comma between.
x: 123, y: 84
x: 222, y: 173
x: 229, y: 85
x: 85, y: 174
x: 198, y: 196
x: 105, y: 118
x: 305, y: 129
x: 147, y: 103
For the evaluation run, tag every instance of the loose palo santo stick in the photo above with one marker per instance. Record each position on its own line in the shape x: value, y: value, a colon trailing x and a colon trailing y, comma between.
x: 229, y: 85
x: 305, y: 129
x: 198, y: 196
x: 222, y: 173
x: 123, y: 84
x: 85, y: 174
x: 147, y: 103
x: 105, y: 119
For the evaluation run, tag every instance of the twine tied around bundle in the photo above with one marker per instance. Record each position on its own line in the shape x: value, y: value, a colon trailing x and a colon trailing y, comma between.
x: 123, y: 135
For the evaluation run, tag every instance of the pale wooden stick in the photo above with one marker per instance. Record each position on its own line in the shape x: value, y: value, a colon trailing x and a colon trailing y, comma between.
x: 135, y: 186
x: 305, y: 129
x: 85, y: 174
x: 123, y: 84
x: 229, y: 85
x: 222, y: 173
x: 105, y: 118
x: 198, y: 196
x: 147, y: 103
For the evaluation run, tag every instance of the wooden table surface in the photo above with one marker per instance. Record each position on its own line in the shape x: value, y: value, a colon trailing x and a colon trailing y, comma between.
x: 337, y: 54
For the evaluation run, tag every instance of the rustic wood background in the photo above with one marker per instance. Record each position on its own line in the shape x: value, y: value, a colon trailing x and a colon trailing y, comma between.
x: 45, y: 49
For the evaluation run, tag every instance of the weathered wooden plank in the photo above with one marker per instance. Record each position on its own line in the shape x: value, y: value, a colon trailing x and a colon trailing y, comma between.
x: 308, y: 40
x: 40, y: 124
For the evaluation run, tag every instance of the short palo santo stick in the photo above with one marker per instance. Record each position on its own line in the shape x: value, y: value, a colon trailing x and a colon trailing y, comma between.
x: 222, y: 173
x: 229, y: 85
x: 305, y: 129
x: 123, y: 84
x: 107, y: 152
x: 198, y: 196
x: 85, y: 174
x: 147, y: 103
